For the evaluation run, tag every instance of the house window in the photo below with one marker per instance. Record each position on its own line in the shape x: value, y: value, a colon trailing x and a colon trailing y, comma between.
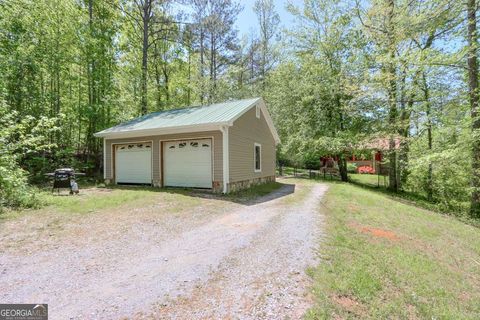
x: 257, y: 155
x: 257, y: 110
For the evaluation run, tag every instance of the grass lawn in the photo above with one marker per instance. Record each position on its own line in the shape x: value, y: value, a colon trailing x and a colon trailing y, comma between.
x: 370, y: 180
x: 94, y: 199
x: 382, y: 258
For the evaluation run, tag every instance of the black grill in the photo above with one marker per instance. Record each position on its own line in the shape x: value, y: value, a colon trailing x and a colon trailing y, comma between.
x: 64, y: 178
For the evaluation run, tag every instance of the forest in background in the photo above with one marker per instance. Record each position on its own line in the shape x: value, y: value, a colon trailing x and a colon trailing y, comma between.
x: 345, y: 72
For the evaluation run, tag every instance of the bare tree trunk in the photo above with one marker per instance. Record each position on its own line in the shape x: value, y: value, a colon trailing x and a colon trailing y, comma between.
x: 403, y: 132
x: 189, y: 74
x: 342, y: 160
x: 202, y: 65
x: 428, y: 110
x: 146, y: 10
x: 159, y: 88
x: 392, y: 97
x: 91, y: 88
x: 158, y: 82
x: 166, y: 77
x: 212, y: 69
x: 474, y: 101
x: 342, y: 167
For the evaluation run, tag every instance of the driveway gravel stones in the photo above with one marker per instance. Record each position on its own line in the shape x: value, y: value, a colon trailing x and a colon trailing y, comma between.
x: 234, y: 261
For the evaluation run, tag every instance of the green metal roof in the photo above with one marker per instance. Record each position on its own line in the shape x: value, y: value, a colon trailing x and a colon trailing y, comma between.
x: 217, y: 113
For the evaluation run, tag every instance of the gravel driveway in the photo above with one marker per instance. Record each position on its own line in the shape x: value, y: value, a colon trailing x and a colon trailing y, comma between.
x: 237, y: 261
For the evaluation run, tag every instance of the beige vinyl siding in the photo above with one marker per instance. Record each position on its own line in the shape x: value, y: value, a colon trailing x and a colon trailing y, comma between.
x: 245, y: 132
x: 156, y: 170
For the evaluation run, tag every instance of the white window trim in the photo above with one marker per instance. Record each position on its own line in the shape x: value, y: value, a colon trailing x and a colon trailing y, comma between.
x: 257, y: 111
x: 255, y: 145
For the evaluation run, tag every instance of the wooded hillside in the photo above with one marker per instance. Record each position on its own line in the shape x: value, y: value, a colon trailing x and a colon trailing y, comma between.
x: 345, y: 72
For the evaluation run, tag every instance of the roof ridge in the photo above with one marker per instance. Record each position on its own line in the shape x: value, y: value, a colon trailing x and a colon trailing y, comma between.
x: 198, y: 106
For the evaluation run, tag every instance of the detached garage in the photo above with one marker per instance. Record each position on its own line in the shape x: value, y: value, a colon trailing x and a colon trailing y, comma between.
x: 223, y: 147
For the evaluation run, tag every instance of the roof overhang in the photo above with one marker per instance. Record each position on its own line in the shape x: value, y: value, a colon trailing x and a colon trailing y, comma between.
x: 160, y: 131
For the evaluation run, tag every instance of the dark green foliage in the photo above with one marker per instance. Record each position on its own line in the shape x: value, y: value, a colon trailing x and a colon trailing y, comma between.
x: 343, y: 73
x: 19, y: 138
x: 352, y: 168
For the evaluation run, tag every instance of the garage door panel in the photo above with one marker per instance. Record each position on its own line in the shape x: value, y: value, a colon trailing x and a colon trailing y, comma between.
x: 133, y: 163
x: 188, y: 163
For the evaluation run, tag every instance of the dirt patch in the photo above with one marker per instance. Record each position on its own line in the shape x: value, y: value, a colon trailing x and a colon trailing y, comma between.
x: 376, y: 232
x: 353, y: 208
x: 350, y: 304
x: 412, y: 312
x: 380, y: 233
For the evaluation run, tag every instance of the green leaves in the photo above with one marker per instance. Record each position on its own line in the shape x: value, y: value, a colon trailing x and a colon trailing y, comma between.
x: 20, y: 137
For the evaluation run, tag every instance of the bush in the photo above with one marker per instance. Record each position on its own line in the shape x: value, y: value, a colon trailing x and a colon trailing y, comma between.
x: 311, y: 161
x: 14, y: 189
x: 351, y: 167
x: 19, y: 139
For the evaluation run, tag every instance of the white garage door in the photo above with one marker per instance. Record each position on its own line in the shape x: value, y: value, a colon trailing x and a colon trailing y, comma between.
x: 133, y: 163
x: 188, y: 163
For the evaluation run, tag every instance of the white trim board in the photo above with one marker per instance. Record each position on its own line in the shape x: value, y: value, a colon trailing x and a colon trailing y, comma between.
x: 225, y: 158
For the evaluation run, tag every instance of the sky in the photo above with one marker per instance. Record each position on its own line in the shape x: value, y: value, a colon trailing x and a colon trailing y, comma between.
x: 247, y: 20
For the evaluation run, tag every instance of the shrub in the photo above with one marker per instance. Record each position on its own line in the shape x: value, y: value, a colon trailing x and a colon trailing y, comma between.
x: 18, y: 139
x: 351, y: 168
x: 311, y: 161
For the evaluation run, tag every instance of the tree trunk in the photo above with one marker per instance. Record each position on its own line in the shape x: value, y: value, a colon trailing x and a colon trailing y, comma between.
x: 474, y: 100
x: 145, y: 18
x: 158, y: 82
x: 392, y: 97
x: 202, y: 66
x: 159, y: 88
x: 428, y: 111
x: 166, y: 77
x: 404, y: 144
x: 189, y: 74
x: 92, y: 110
x: 342, y: 167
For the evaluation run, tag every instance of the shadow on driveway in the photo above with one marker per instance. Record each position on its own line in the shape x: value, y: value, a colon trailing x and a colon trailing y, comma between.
x: 246, y: 197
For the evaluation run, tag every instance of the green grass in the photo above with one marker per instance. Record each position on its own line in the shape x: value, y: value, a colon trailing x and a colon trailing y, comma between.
x: 88, y: 201
x: 91, y: 200
x: 105, y: 198
x: 383, y: 258
x: 371, y: 180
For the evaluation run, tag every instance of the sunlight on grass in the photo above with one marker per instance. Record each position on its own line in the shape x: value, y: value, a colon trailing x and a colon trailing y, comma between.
x: 387, y: 259
x: 97, y: 199
x: 372, y: 180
